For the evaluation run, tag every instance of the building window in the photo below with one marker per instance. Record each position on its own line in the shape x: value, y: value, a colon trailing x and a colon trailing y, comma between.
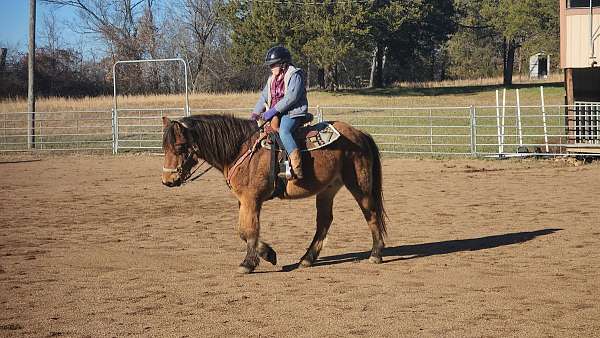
x: 582, y: 3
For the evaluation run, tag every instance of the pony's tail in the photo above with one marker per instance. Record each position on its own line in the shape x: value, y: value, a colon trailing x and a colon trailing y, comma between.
x: 377, y: 186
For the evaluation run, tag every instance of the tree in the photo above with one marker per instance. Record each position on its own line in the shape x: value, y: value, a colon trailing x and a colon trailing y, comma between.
x: 505, y: 26
x: 527, y: 24
x: 257, y: 26
x: 334, y: 29
x: 128, y: 29
x: 405, y: 32
x: 194, y: 26
x: 474, y: 48
x: 13, y: 71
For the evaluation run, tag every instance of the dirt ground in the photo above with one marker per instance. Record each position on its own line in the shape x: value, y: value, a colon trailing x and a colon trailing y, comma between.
x: 96, y: 246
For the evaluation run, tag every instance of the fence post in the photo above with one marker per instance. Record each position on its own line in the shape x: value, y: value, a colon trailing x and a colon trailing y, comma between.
x: 544, y: 119
x: 498, y: 123
x: 503, y: 120
x: 5, y: 141
x: 430, y: 131
x: 115, y: 132
x: 319, y: 114
x: 519, y: 125
x: 473, y: 131
x: 142, y: 128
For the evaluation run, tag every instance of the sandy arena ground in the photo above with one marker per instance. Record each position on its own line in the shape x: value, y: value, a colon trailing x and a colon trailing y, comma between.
x: 96, y: 246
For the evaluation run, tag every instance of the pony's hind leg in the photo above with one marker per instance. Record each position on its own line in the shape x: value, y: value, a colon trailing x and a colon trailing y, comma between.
x: 324, y: 218
x: 365, y: 189
x: 249, y: 228
x: 367, y: 203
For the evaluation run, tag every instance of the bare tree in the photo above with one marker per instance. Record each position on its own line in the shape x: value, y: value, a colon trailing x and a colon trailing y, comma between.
x: 127, y: 28
x: 195, y: 25
x: 51, y: 32
x: 114, y: 21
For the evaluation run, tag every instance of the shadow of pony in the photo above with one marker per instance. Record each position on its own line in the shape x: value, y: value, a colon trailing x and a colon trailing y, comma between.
x: 404, y: 252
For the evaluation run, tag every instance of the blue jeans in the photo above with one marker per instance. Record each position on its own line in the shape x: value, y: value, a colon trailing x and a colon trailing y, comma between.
x: 286, y: 132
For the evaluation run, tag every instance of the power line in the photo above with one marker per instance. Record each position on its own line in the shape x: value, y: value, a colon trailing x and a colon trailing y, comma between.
x: 311, y: 3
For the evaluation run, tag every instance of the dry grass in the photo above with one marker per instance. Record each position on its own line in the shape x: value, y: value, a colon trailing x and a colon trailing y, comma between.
x: 454, y: 93
x: 139, y: 129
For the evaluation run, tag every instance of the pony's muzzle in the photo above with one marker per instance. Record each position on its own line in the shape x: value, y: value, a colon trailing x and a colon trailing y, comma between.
x: 171, y: 182
x: 171, y: 177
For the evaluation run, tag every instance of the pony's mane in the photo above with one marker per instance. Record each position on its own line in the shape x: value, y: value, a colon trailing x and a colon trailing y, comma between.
x: 218, y: 137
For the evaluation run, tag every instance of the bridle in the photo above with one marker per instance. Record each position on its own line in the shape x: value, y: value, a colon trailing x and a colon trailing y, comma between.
x: 184, y: 168
x: 186, y: 164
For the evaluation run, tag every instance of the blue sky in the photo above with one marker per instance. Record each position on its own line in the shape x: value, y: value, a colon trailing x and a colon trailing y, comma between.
x: 14, y: 23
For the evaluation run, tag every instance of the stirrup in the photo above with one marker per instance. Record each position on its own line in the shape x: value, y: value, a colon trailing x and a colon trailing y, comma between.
x: 296, y: 176
x: 285, y: 170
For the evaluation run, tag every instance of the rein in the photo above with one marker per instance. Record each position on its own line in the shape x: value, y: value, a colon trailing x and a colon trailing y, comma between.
x: 249, y: 152
x: 180, y: 171
x: 200, y: 174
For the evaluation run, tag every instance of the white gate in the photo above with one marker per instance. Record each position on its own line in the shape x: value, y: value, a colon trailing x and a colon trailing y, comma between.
x: 140, y: 132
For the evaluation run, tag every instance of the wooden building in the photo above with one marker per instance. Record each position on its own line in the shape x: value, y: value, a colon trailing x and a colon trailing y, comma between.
x: 580, y: 59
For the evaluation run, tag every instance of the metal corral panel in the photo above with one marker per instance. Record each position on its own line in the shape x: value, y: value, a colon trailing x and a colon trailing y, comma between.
x: 587, y: 122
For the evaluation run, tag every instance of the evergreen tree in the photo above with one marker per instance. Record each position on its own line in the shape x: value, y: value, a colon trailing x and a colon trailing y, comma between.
x: 491, y: 31
x: 334, y: 29
x: 408, y: 35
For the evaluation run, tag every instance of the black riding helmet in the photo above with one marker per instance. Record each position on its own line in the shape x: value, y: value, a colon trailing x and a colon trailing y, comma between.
x: 278, y: 54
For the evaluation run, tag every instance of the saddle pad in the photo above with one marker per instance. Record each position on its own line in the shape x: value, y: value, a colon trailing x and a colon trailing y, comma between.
x: 312, y: 137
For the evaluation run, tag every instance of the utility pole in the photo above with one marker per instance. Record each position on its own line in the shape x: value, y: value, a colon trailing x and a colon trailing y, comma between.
x: 31, y: 78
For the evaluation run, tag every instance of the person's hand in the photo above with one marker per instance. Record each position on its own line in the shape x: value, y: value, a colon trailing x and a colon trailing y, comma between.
x: 255, y: 116
x: 269, y: 114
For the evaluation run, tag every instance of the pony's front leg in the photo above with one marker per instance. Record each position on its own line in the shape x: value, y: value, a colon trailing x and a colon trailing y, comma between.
x: 249, y: 229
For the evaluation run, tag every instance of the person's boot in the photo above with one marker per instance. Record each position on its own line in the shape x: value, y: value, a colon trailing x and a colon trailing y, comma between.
x: 296, y: 163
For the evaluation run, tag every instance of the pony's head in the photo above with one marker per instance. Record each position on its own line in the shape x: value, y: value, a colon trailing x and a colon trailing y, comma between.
x: 180, y: 153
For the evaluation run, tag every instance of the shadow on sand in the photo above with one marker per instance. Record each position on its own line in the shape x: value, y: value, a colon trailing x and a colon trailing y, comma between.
x: 403, y: 252
x: 19, y: 161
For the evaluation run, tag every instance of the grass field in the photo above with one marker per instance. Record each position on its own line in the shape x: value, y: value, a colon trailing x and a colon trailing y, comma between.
x: 435, y: 130
x: 406, y: 95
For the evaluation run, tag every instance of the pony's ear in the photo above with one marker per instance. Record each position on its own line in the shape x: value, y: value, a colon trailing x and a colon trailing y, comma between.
x: 179, y: 127
x: 166, y: 121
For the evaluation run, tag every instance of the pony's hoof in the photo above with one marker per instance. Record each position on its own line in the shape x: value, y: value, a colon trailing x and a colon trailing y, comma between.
x: 267, y: 253
x: 244, y: 270
x: 271, y: 257
x: 375, y: 260
x: 305, y: 263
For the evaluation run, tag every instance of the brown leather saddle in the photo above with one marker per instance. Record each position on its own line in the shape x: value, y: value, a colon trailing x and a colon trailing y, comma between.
x: 309, y: 137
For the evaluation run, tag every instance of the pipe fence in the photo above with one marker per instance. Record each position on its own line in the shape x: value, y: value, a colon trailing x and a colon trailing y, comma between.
x: 439, y: 130
x: 57, y: 131
x: 493, y: 131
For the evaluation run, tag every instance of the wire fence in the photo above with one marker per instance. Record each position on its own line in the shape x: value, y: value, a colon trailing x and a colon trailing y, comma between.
x: 469, y: 131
